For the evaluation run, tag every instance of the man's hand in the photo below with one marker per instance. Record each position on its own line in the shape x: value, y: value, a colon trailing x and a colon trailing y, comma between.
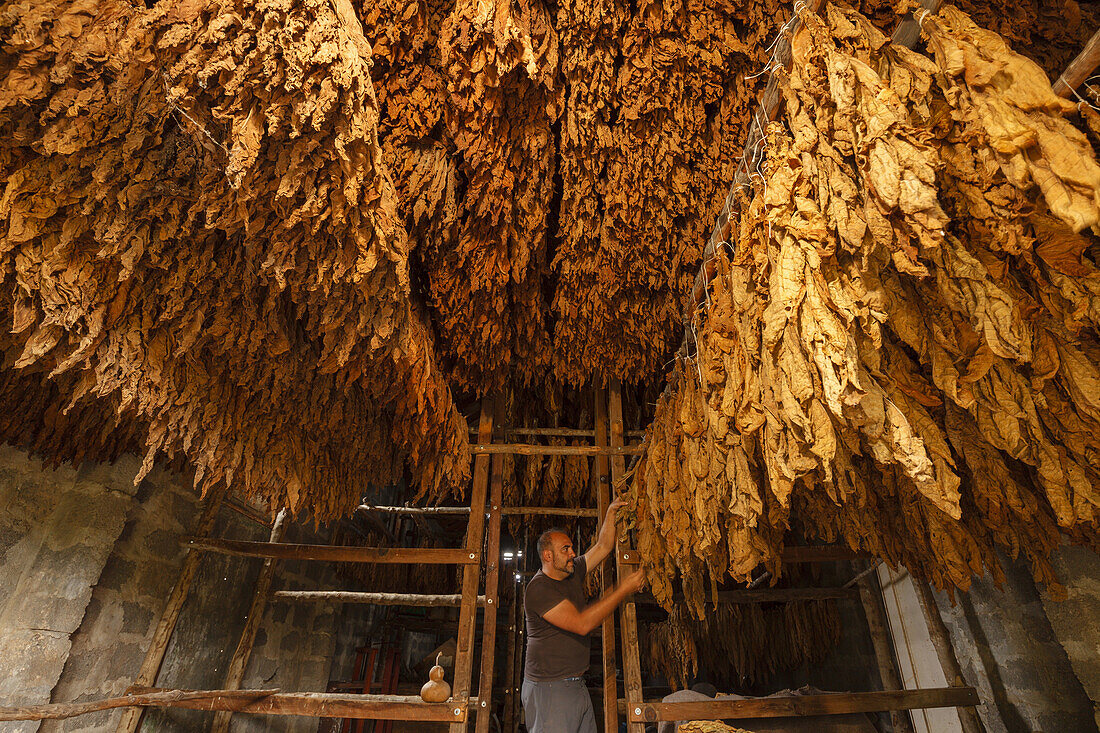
x: 615, y: 506
x: 605, y: 536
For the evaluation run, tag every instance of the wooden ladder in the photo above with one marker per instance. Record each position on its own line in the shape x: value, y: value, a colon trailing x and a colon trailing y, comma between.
x: 481, y: 548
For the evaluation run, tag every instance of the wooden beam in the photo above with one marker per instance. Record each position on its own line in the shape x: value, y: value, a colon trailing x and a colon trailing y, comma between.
x: 908, y: 31
x: 549, y: 511
x: 492, y: 586
x: 158, y: 698
x: 792, y: 706
x: 558, y: 432
x: 884, y: 650
x: 530, y: 449
x: 235, y: 674
x: 602, y: 480
x: 427, y: 600
x: 475, y: 536
x: 819, y: 553
x: 771, y: 595
x: 941, y: 640
x: 628, y: 617
x: 158, y: 645
x: 1080, y: 68
x: 334, y: 553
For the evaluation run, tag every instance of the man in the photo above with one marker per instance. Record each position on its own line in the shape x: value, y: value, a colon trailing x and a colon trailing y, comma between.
x: 555, y: 699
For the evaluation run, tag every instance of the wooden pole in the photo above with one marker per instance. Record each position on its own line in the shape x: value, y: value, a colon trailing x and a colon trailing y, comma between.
x: 530, y: 449
x: 607, y: 629
x: 559, y: 432
x: 884, y: 654
x: 235, y: 674
x: 427, y: 600
x: 794, y: 706
x: 331, y: 553
x: 941, y: 640
x: 475, y: 536
x: 908, y: 30
x: 1080, y: 68
x: 158, y: 645
x: 492, y: 596
x: 508, y: 721
x: 165, y: 698
x: 549, y: 511
x: 628, y: 615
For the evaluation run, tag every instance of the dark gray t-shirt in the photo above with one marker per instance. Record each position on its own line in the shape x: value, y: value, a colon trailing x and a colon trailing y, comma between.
x: 553, y: 653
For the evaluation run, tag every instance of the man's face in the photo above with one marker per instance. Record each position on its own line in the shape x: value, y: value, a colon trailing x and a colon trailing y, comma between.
x: 562, y: 554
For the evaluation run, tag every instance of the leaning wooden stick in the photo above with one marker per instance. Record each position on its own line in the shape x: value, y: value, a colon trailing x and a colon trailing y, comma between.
x: 1080, y: 68
x: 169, y: 698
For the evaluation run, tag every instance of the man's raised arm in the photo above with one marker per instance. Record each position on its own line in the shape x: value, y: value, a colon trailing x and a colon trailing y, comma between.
x: 605, y: 538
x: 566, y: 616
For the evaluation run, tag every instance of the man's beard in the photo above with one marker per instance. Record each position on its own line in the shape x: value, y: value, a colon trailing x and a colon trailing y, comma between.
x: 568, y: 567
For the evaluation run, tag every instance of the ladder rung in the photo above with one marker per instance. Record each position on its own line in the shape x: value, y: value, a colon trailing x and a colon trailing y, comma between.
x: 377, y: 599
x: 334, y: 553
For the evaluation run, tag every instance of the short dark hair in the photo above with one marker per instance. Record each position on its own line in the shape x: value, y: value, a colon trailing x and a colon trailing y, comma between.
x: 544, y: 543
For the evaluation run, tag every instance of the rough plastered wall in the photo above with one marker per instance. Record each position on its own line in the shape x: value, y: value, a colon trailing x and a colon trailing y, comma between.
x: 1028, y: 655
x: 57, y: 528
x: 86, y: 565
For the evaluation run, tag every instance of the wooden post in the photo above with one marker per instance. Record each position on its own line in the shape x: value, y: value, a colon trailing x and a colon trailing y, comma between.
x: 1080, y: 68
x: 607, y: 629
x: 508, y: 722
x: 492, y: 597
x: 237, y: 664
x: 884, y: 654
x: 941, y: 640
x: 158, y: 645
x: 471, y: 574
x: 632, y: 666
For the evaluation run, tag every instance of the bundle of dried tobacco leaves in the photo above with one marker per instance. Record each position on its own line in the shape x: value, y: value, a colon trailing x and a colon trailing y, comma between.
x: 902, y: 352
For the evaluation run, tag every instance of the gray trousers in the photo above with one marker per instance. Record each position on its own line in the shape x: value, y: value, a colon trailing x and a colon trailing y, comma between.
x: 560, y: 706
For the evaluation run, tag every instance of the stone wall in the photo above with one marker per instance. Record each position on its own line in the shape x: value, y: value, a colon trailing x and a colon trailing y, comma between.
x: 1010, y: 651
x: 87, y: 561
x: 57, y: 529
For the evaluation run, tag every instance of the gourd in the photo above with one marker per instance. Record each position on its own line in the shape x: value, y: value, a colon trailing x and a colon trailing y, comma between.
x: 436, y: 688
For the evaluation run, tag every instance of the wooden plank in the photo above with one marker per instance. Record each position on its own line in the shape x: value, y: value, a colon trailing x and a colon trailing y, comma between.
x: 791, y: 555
x: 530, y: 449
x: 628, y: 617
x: 328, y: 705
x: 1080, y: 68
x: 235, y: 674
x: 427, y: 600
x: 475, y: 536
x: 492, y: 586
x: 549, y: 511
x: 884, y: 651
x: 908, y: 31
x: 158, y: 645
x: 333, y: 553
x: 792, y: 706
x: 155, y: 698
x: 771, y: 595
x: 558, y: 432
x: 941, y: 640
x: 602, y: 481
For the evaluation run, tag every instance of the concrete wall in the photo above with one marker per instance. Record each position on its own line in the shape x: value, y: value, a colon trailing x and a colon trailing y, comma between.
x: 1010, y: 651
x: 87, y: 562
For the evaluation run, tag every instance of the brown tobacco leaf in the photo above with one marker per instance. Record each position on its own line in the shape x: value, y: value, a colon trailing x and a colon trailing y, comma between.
x: 199, y: 229
x: 913, y: 379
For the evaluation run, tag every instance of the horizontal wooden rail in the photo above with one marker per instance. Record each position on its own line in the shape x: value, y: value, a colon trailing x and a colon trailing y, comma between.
x: 265, y: 702
x: 376, y: 599
x: 790, y: 706
x: 529, y: 449
x: 770, y: 595
x: 334, y: 553
x: 559, y: 432
x: 793, y: 555
x: 549, y: 511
